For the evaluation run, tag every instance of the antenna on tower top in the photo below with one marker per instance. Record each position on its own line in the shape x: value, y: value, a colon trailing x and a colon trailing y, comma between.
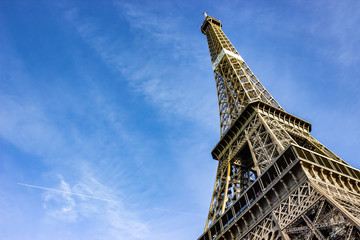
x: 205, y: 13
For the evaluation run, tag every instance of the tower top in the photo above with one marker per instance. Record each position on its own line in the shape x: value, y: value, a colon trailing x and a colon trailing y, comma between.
x: 236, y: 85
x: 208, y: 20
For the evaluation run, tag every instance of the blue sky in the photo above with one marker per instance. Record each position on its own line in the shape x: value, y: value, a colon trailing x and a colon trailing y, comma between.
x: 108, y: 109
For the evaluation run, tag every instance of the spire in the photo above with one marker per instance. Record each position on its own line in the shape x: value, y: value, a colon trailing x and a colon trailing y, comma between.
x: 236, y: 85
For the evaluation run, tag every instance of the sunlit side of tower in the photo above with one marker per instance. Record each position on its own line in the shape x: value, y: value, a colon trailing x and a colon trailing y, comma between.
x: 274, y: 180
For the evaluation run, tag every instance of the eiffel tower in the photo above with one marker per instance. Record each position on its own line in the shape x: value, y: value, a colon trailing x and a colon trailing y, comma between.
x: 274, y: 180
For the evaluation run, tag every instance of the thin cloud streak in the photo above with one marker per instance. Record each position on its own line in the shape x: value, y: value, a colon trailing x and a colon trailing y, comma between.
x: 67, y: 192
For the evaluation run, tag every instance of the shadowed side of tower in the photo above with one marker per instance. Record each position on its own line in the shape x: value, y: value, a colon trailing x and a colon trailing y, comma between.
x: 274, y: 180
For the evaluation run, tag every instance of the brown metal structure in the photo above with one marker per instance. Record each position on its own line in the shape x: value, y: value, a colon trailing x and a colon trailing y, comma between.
x: 274, y: 180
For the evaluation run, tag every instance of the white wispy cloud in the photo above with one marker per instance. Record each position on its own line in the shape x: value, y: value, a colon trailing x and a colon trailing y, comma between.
x: 26, y: 126
x: 167, y: 88
x: 146, y: 70
x: 59, y: 203
x: 84, y: 157
x: 65, y: 203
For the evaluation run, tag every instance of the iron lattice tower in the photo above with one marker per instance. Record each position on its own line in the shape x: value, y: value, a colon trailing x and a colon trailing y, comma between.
x: 274, y: 180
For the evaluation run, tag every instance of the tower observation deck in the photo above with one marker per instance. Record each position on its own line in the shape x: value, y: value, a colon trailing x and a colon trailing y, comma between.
x: 274, y: 180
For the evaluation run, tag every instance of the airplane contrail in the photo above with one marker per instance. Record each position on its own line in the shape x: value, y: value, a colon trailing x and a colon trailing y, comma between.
x: 67, y: 192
